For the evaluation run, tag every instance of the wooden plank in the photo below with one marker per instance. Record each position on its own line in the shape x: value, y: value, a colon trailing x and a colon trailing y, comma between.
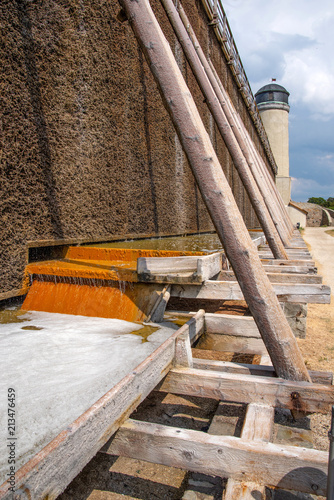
x: 157, y: 312
x: 160, y: 265
x: 230, y: 290
x: 317, y: 377
x: 245, y: 325
x: 183, y: 354
x: 258, y: 427
x: 14, y: 293
x: 232, y: 343
x: 290, y: 262
x: 49, y: 472
x: 298, y: 248
x: 302, y: 396
x: 194, y: 327
x: 290, y: 251
x: 310, y: 270
x: 259, y: 241
x: 205, y: 266
x: 258, y: 424
x: 230, y: 324
x: 288, y: 467
x: 209, y: 266
x: 278, y: 277
x: 244, y: 490
x: 297, y: 256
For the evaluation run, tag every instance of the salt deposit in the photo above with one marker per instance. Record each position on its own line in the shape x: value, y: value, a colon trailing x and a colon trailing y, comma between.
x: 59, y: 365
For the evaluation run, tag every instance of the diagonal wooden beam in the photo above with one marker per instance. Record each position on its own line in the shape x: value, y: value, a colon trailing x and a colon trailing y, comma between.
x: 216, y: 192
x: 232, y: 116
x: 226, y: 131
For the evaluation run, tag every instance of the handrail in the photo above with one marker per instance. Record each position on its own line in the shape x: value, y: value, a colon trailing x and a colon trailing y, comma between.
x: 218, y: 20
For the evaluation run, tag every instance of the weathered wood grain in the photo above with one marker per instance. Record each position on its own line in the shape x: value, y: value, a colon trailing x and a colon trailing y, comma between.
x: 293, y: 269
x: 288, y: 467
x: 301, y: 396
x: 259, y: 423
x: 290, y: 262
x: 258, y: 427
x: 232, y: 343
x: 230, y: 324
x: 230, y: 290
x: 209, y: 266
x: 317, y: 377
x: 278, y: 277
x: 205, y: 267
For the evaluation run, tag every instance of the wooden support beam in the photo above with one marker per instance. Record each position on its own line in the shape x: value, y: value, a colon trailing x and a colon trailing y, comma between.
x: 291, y: 262
x: 203, y: 267
x: 216, y: 192
x: 301, y: 396
x: 232, y: 343
x: 293, y: 256
x: 317, y: 377
x: 278, y: 277
x: 231, y: 324
x: 287, y: 467
x: 230, y: 290
x: 244, y: 490
x: 233, y: 141
x: 300, y: 269
x: 258, y: 427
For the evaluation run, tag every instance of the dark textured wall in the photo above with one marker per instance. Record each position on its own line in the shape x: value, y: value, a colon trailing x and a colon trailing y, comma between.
x: 87, y: 148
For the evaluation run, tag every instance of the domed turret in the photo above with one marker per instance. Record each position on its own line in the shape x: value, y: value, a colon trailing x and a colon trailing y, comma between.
x: 272, y: 96
x: 273, y: 103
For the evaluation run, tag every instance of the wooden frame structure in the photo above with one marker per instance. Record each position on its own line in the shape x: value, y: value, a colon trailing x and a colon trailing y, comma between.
x: 250, y: 462
x: 251, y: 458
x: 172, y: 368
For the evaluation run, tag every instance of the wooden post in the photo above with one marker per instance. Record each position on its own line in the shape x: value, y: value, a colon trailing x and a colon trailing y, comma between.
x: 226, y: 131
x: 216, y: 193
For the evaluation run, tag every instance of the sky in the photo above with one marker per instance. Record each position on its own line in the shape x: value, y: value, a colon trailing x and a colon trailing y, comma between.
x: 293, y: 41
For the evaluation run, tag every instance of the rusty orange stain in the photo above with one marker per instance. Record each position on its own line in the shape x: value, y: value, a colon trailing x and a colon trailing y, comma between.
x: 122, y: 254
x: 128, y: 301
x: 100, y: 282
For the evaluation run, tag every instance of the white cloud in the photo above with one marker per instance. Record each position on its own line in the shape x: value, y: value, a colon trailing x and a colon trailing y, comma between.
x: 290, y: 41
x: 303, y: 189
x: 294, y: 43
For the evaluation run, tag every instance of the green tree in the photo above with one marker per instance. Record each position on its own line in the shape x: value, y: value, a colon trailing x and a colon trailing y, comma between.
x: 318, y: 201
x: 330, y: 201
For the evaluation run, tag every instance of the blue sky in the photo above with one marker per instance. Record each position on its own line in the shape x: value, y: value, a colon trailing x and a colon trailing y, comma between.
x: 294, y: 43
